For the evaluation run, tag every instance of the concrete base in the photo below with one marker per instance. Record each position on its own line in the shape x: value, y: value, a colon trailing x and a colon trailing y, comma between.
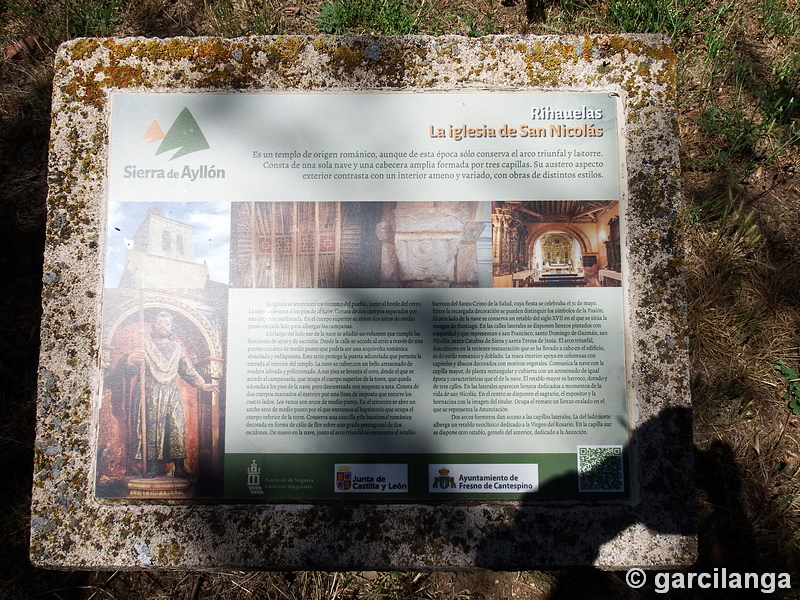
x: 71, y: 527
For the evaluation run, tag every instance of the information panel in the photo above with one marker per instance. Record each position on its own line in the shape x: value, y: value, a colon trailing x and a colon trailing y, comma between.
x: 382, y: 296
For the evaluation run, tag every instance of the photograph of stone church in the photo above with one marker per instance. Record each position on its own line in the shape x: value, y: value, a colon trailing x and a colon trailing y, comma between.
x: 556, y: 244
x: 161, y: 416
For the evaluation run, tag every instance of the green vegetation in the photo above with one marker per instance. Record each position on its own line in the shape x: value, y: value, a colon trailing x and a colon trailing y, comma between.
x: 90, y: 17
x: 791, y: 384
x: 248, y: 17
x: 401, y: 17
x: 388, y: 17
x: 62, y: 19
x: 672, y: 17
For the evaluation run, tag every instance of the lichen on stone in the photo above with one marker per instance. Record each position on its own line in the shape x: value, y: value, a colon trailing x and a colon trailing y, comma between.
x: 70, y: 527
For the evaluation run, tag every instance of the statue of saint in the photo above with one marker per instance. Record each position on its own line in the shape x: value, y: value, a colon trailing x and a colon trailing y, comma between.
x: 160, y: 361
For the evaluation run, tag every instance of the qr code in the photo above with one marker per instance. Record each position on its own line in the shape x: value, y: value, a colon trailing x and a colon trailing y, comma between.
x: 600, y: 469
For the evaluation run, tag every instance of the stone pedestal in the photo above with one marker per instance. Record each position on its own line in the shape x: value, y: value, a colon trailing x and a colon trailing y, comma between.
x: 424, y: 244
x: 163, y: 488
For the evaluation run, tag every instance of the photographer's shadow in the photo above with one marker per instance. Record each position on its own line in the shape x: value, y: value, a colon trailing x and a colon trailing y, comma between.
x: 655, y: 526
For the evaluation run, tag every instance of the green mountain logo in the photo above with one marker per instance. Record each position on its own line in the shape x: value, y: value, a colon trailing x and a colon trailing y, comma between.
x: 185, y: 136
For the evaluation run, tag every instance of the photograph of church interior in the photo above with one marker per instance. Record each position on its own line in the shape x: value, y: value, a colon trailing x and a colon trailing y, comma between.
x: 556, y: 244
x: 411, y: 244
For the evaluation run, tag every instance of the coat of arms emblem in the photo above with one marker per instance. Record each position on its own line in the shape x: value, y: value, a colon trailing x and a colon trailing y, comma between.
x: 343, y: 477
x: 444, y: 481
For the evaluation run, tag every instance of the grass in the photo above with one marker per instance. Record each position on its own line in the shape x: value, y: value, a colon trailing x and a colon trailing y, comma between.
x: 401, y: 17
x: 672, y: 17
x: 718, y: 31
x: 249, y: 17
x: 64, y: 19
x: 389, y: 17
x: 739, y: 106
x: 778, y: 18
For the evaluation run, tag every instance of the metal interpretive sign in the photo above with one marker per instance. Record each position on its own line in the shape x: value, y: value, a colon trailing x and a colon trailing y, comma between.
x: 385, y: 296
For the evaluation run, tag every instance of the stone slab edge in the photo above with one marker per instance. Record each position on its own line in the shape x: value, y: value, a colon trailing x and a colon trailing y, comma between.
x: 71, y: 529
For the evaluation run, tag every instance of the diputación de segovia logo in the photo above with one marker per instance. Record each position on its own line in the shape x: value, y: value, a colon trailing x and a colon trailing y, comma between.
x: 185, y: 136
x: 254, y: 478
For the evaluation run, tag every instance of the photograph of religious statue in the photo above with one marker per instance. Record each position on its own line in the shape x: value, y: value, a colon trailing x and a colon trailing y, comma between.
x: 556, y: 244
x: 360, y: 244
x: 160, y: 421
x: 164, y: 329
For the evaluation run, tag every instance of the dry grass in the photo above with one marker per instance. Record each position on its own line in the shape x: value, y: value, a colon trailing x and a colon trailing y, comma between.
x: 739, y: 76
